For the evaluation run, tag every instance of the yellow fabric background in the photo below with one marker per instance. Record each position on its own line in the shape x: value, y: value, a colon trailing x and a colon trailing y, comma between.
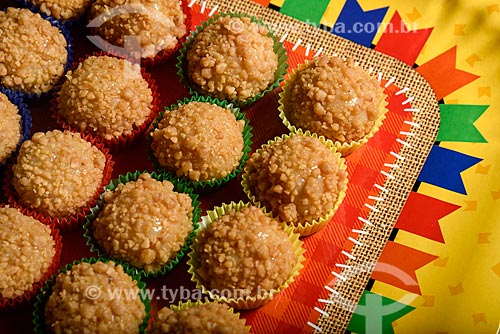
x: 461, y: 289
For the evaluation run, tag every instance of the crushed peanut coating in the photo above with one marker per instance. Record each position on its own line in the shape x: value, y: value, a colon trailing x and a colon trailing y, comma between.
x: 26, y: 252
x: 93, y: 100
x: 32, y: 52
x: 232, y: 59
x: 10, y: 128
x: 158, y: 24
x: 210, y: 318
x: 200, y: 141
x: 144, y: 222
x: 57, y: 173
x: 298, y: 179
x: 334, y: 98
x: 93, y: 299
x: 245, y: 252
x: 63, y: 9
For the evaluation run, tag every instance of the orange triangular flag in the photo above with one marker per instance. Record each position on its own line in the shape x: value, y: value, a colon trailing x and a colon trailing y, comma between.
x: 442, y: 74
x: 399, y: 42
x: 397, y: 265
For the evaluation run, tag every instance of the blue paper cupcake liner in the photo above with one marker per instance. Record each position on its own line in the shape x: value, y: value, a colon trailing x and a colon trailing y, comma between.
x: 64, y: 29
x: 26, y: 121
x: 35, y: 9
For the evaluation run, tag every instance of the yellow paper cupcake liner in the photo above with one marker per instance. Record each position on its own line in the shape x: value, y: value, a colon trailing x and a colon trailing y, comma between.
x: 345, y: 148
x: 313, y: 226
x: 248, y: 302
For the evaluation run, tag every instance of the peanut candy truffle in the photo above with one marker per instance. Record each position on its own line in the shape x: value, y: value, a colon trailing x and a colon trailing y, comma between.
x: 297, y: 178
x: 199, y: 140
x: 83, y: 300
x: 32, y: 53
x: 245, y: 252
x: 158, y: 24
x: 62, y: 9
x: 144, y: 222
x: 210, y: 318
x: 26, y: 252
x: 94, y: 101
x: 10, y: 128
x: 57, y: 173
x: 232, y: 59
x: 333, y: 98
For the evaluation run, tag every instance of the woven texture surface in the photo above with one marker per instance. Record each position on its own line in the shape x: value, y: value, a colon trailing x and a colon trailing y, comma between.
x: 410, y: 158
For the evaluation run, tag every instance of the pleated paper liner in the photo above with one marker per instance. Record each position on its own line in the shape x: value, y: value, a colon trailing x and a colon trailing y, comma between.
x: 29, y: 97
x: 309, y: 227
x: 195, y: 90
x: 43, y: 296
x: 115, y: 144
x: 25, y: 125
x: 15, y: 303
x: 188, y: 304
x: 206, y: 185
x: 158, y: 59
x: 66, y: 222
x: 249, y: 302
x: 122, y: 179
x: 345, y: 148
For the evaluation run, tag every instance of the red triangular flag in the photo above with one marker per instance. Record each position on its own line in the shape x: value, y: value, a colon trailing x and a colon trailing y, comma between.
x: 442, y: 75
x: 399, y: 42
x: 397, y: 265
x: 420, y: 216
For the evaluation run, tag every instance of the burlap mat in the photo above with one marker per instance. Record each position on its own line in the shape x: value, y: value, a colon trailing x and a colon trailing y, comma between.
x: 411, y: 157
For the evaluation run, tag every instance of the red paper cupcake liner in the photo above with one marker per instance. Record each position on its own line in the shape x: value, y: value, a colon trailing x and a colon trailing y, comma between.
x: 67, y: 222
x: 19, y: 301
x: 160, y: 57
x: 118, y: 143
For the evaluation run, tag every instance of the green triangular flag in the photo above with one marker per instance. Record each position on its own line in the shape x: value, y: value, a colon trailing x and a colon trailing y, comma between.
x: 457, y: 123
x: 375, y: 314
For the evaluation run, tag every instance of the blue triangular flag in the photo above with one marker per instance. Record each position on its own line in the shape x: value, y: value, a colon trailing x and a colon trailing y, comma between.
x: 443, y: 168
x: 357, y: 25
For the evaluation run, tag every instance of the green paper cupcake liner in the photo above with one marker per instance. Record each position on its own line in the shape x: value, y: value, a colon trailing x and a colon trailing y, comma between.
x: 278, y: 48
x: 345, y: 148
x: 122, y: 179
x: 39, y: 326
x: 209, y: 185
x: 313, y: 226
x: 249, y: 302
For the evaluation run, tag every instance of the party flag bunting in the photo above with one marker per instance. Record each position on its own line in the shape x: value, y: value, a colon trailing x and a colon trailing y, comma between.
x: 399, y: 42
x: 443, y: 168
x: 397, y: 266
x: 442, y: 74
x: 457, y: 123
x: 375, y: 314
x: 424, y: 223
x: 357, y: 25
x: 309, y: 11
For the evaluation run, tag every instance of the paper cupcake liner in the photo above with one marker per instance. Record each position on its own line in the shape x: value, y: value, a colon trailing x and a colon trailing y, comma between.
x: 34, y: 97
x: 67, y: 222
x: 122, y: 179
x: 345, y: 148
x: 313, y: 226
x: 43, y: 295
x: 209, y: 185
x: 161, y: 57
x: 124, y: 141
x: 250, y: 302
x: 19, y: 301
x: 278, y: 47
x: 26, y: 121
x: 188, y: 304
